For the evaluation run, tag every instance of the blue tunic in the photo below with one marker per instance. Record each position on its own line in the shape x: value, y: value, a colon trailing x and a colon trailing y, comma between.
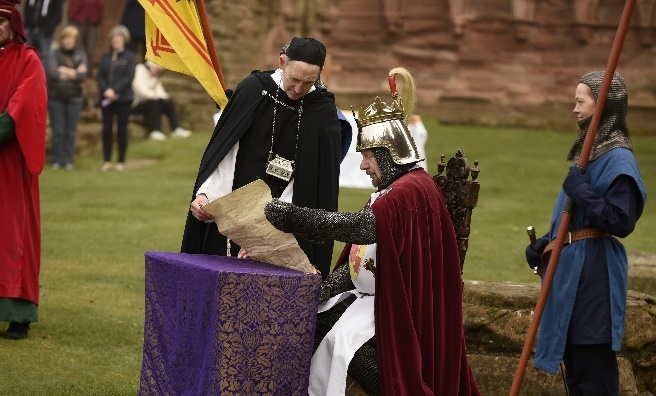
x: 613, y: 201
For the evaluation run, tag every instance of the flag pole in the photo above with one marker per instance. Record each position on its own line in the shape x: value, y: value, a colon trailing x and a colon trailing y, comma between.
x: 209, y: 39
x: 567, y: 210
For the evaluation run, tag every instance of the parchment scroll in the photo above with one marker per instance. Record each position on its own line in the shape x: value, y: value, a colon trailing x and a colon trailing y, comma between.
x: 240, y: 216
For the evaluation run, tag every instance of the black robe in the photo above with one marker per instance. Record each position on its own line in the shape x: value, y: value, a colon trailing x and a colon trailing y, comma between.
x: 248, y: 119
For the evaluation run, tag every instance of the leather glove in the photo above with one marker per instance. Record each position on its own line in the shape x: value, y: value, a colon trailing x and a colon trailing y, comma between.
x: 574, y: 180
x: 534, y: 257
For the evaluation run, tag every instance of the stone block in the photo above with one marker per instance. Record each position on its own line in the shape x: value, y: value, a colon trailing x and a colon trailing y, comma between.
x: 498, y: 316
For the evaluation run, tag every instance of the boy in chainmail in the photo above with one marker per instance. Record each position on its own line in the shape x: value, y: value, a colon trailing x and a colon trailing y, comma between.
x: 583, y: 320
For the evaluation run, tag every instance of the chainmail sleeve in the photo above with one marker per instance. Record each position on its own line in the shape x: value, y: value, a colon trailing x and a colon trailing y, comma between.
x: 337, y: 282
x: 318, y: 225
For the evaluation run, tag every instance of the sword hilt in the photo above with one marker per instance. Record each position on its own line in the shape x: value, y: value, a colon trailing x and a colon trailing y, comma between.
x: 530, y: 230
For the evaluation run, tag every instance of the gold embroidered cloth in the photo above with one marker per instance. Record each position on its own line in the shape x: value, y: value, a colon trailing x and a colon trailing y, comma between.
x: 223, y: 326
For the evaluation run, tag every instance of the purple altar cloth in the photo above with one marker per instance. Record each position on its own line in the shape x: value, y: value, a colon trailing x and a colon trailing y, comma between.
x: 224, y: 326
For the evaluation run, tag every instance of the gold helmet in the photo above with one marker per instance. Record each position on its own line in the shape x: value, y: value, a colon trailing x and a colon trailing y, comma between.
x: 386, y: 126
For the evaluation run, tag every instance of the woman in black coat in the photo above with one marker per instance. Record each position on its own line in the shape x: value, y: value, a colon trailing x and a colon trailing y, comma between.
x: 115, y: 75
x: 66, y: 70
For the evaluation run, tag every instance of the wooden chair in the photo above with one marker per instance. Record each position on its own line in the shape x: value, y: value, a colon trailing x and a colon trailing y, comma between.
x: 461, y: 195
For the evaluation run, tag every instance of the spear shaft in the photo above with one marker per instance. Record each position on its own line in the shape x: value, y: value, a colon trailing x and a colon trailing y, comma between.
x: 567, y: 210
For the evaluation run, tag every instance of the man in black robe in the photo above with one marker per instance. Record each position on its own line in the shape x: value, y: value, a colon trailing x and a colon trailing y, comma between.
x: 274, y: 120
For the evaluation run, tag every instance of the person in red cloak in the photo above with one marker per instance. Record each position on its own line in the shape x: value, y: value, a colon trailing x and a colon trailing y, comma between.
x: 23, y: 109
x: 390, y: 320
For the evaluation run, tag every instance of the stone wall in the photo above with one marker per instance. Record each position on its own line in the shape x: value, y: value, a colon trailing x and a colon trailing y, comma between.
x: 502, y: 62
x: 491, y: 62
x: 498, y: 316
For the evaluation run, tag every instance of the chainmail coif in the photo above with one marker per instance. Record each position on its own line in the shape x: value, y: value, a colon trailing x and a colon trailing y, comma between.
x: 389, y: 169
x: 613, y: 131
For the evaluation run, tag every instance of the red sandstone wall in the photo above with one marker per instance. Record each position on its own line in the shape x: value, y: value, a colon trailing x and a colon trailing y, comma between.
x: 480, y: 61
x: 509, y: 59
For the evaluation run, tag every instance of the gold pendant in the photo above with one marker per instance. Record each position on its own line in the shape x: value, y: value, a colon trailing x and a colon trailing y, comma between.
x: 281, y: 168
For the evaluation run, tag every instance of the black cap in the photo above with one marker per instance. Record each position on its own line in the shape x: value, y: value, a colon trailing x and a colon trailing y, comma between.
x: 307, y: 50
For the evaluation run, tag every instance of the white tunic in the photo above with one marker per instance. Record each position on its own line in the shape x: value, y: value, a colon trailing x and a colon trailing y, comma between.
x: 355, y: 327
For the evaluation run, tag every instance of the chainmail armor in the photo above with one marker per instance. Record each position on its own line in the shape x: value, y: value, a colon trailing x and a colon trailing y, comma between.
x: 318, y: 225
x: 327, y: 319
x: 389, y: 169
x: 337, y: 282
x: 352, y: 227
x: 613, y: 131
x: 363, y: 368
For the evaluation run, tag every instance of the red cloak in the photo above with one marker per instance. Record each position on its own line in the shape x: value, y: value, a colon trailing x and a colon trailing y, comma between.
x: 420, y: 343
x: 24, y: 96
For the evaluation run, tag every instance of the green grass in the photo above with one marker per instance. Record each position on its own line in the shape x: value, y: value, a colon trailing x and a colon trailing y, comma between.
x: 97, y: 227
x: 521, y: 172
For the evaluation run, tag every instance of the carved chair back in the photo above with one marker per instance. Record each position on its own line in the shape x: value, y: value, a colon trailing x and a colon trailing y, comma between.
x: 460, y: 189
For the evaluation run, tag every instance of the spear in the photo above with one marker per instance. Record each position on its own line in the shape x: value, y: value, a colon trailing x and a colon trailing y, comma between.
x: 567, y: 210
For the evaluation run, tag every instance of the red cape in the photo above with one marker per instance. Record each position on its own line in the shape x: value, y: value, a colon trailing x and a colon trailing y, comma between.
x: 420, y: 341
x: 21, y: 161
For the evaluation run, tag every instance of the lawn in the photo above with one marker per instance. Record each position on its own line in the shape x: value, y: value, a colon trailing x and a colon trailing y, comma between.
x: 521, y: 172
x: 97, y: 227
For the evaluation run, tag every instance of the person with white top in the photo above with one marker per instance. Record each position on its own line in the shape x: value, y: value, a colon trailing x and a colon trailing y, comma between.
x: 152, y: 100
